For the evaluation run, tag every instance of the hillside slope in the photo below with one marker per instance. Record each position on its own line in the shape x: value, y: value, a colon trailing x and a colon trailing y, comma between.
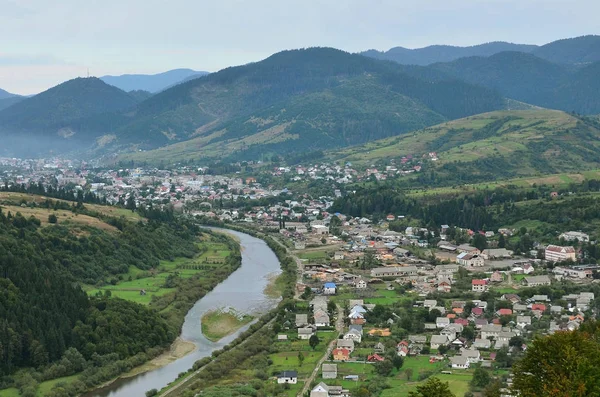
x: 493, y: 146
x: 151, y: 82
x: 317, y: 97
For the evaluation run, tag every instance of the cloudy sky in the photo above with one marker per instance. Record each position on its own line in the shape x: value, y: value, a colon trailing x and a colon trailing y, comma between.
x: 44, y: 43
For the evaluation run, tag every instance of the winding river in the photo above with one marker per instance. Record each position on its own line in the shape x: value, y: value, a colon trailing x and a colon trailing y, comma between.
x: 243, y: 290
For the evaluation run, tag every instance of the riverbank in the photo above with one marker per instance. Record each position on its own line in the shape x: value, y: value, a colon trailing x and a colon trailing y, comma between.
x: 179, y: 349
x: 217, y: 324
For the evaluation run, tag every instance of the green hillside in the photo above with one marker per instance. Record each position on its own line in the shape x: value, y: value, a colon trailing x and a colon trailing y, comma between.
x: 492, y: 146
x: 317, y: 98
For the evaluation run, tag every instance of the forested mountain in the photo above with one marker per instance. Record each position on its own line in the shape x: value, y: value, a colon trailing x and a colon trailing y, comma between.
x: 151, y: 82
x: 528, y: 78
x: 492, y: 146
x: 444, y: 53
x: 578, y: 50
x: 298, y: 100
x: 64, y: 117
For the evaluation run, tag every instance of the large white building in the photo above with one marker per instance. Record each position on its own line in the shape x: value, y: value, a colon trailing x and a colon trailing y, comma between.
x: 556, y: 253
x: 575, y: 236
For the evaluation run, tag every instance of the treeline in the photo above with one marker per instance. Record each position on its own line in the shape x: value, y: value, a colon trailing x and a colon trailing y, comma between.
x: 478, y: 210
x: 62, y: 193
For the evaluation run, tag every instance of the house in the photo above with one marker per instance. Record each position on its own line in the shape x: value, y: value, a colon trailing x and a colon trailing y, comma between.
x: 380, y: 348
x: 341, y: 354
x: 512, y: 298
x: 290, y: 377
x: 429, y: 303
x: 305, y: 333
x: 320, y: 390
x: 373, y: 358
x: 321, y: 318
x: 519, y: 308
x: 470, y: 260
x: 360, y: 283
x: 329, y: 371
x: 468, y: 249
x: 504, y: 312
x: 320, y: 230
x: 471, y: 354
x: 556, y: 253
x: 444, y: 285
x: 497, y: 253
x: 402, y: 350
x: 460, y: 362
x: 534, y: 281
x: 442, y: 322
x: 523, y: 321
x: 538, y: 307
x: 345, y: 344
x: 482, y: 344
x: 438, y: 340
x: 353, y: 335
x: 338, y: 256
x: 394, y: 271
x: 282, y: 337
x: 301, y: 320
x: 496, y: 277
x: 479, y: 285
x: 329, y: 288
x: 490, y: 331
x: 420, y: 339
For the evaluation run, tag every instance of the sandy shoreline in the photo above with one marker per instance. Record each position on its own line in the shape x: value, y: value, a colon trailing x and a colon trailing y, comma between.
x: 180, y: 348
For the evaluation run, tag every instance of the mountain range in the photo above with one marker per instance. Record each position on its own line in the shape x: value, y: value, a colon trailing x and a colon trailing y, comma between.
x: 152, y: 82
x: 578, y: 50
x: 297, y: 100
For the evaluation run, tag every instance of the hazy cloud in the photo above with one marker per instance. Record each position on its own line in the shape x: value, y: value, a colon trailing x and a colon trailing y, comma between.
x: 145, y: 36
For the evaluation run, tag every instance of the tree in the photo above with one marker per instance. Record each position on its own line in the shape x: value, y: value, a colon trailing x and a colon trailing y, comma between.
x: 481, y: 378
x: 300, y: 358
x: 479, y: 242
x: 397, y: 361
x: 384, y: 368
x: 501, y: 241
x: 562, y: 364
x: 408, y: 373
x: 516, y: 341
x: 52, y: 218
x: 433, y: 388
x: 493, y: 389
x: 314, y: 341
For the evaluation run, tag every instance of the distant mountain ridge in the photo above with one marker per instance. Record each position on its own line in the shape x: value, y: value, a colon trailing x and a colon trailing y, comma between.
x: 528, y: 78
x: 151, y: 82
x: 578, y: 50
x: 5, y: 94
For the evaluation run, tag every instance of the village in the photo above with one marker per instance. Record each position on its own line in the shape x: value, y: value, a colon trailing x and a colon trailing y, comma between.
x: 446, y: 309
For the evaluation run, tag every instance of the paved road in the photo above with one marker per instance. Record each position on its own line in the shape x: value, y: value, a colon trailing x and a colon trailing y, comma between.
x: 339, y: 326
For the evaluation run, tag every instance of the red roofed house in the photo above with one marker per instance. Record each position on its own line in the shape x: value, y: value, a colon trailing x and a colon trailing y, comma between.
x: 374, y: 358
x: 477, y: 311
x: 538, y: 306
x: 479, y: 285
x: 504, y: 312
x: 341, y: 354
x: 462, y: 321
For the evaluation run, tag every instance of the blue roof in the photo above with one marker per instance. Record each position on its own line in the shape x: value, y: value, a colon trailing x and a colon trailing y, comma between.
x: 329, y: 285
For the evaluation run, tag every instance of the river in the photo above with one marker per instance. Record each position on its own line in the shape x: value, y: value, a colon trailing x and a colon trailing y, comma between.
x: 243, y: 290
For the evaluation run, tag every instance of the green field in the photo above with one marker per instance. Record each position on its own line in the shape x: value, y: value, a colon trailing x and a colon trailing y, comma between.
x: 153, y: 282
x: 43, y: 389
x: 217, y: 324
x: 12, y: 392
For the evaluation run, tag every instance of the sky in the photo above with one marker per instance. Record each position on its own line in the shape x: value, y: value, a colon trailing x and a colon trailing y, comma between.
x: 44, y: 43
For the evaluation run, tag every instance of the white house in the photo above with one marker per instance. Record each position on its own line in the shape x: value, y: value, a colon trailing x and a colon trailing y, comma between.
x: 329, y: 288
x: 460, y: 362
x: 290, y: 377
x: 442, y: 322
